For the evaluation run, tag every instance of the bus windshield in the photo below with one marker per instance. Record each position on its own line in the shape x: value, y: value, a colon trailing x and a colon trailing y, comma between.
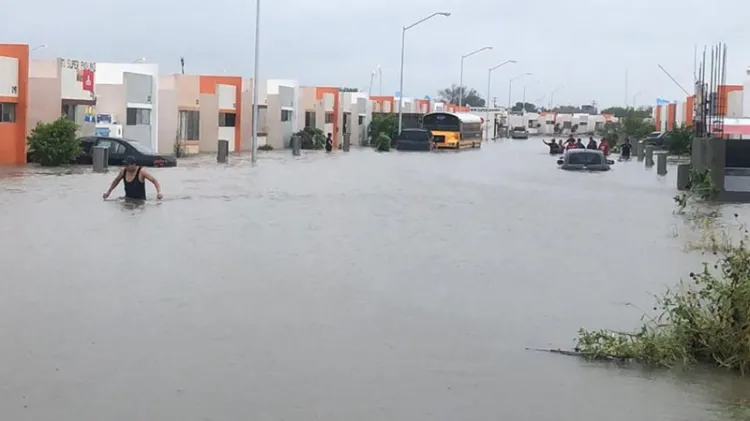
x: 441, y: 122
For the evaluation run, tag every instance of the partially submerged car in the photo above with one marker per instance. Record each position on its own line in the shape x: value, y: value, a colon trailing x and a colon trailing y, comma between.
x: 414, y: 140
x: 584, y: 160
x: 119, y: 149
x: 519, y: 132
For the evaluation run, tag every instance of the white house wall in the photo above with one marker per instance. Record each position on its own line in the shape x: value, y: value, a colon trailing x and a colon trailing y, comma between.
x: 113, y: 74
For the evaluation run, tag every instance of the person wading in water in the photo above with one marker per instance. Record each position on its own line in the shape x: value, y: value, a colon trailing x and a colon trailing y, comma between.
x: 134, y: 179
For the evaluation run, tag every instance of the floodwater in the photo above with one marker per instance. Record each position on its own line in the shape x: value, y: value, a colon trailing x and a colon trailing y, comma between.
x: 359, y: 286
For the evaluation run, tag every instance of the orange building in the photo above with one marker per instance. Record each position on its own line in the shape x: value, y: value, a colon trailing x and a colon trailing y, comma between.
x: 670, y: 116
x: 383, y: 104
x: 14, y: 96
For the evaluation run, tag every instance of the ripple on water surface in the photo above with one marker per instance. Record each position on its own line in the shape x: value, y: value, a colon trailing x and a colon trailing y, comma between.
x: 401, y: 286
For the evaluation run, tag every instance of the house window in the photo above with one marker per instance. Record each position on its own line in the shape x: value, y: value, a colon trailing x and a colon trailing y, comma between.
x: 7, y: 113
x: 138, y: 117
x: 361, y: 120
x: 190, y: 125
x: 329, y: 118
x: 69, y: 111
x: 310, y: 119
x: 227, y: 119
x: 286, y: 115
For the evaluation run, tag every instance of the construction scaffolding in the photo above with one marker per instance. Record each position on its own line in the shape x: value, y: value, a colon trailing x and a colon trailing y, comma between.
x: 710, y: 103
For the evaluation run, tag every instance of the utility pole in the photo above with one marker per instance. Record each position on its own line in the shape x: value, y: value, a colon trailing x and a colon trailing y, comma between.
x: 626, y: 87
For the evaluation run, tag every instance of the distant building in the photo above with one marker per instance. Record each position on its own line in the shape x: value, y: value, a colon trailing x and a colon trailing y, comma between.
x: 589, y: 109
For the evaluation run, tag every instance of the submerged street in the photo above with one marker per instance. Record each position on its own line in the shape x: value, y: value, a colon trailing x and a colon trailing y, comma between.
x: 359, y: 286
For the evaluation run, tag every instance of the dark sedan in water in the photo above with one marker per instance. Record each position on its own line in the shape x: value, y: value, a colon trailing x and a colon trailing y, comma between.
x: 119, y: 149
x: 584, y: 160
x: 415, y: 140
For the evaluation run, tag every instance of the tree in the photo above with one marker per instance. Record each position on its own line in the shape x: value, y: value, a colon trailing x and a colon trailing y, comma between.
x: 453, y: 94
x: 621, y: 112
x: 530, y: 108
x: 53, y: 144
x: 386, y: 124
x: 631, y: 125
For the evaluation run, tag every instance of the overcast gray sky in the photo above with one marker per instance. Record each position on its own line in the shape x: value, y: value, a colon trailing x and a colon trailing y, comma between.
x: 581, y: 45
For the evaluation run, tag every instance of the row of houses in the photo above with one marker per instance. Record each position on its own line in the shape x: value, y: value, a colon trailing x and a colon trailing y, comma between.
x: 731, y: 106
x: 546, y: 123
x: 135, y: 101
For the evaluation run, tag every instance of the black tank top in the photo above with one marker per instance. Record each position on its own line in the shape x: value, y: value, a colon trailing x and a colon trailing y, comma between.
x: 135, y: 188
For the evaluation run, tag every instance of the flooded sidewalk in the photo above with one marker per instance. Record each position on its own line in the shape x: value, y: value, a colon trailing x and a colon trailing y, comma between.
x: 367, y: 286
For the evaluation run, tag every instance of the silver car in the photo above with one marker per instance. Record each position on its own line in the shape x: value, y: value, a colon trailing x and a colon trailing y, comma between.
x: 584, y: 160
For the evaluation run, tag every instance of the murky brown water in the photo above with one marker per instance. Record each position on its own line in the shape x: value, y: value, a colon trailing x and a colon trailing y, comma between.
x: 356, y: 286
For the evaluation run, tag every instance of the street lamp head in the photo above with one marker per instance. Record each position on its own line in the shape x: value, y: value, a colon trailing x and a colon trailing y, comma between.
x: 444, y: 13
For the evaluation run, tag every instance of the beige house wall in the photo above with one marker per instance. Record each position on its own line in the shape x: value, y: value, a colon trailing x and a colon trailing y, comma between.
x: 247, y: 114
x: 111, y: 99
x: 168, y: 114
x: 44, y: 101
x: 209, y: 123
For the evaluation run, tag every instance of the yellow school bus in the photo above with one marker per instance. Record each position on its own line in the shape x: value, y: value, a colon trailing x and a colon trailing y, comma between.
x: 454, y: 130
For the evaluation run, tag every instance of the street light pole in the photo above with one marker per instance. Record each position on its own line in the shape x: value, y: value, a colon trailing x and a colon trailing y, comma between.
x: 401, y: 79
x: 256, y: 113
x: 380, y: 80
x: 510, y: 88
x: 369, y: 89
x: 487, y: 103
x: 461, y: 77
x: 552, y: 97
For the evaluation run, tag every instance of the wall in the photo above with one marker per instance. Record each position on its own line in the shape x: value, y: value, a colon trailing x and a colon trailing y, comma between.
x: 246, y: 116
x: 110, y: 99
x: 384, y: 104
x: 13, y: 134
x: 330, y: 100
x: 134, y: 76
x: 72, y: 81
x: 670, y: 116
x: 307, y: 102
x: 223, y: 86
x: 168, y: 118
x: 734, y: 103
x: 44, y: 92
x: 209, y: 123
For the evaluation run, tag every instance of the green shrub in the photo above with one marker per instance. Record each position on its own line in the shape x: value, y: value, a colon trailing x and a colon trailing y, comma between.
x: 706, y: 319
x: 680, y: 140
x: 55, y: 143
x: 383, y: 143
x: 265, y: 147
x: 311, y: 138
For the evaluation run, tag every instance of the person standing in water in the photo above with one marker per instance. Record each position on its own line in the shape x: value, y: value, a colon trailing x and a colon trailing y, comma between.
x: 553, y: 147
x: 329, y: 143
x: 134, y: 179
x: 604, y: 147
x: 625, y: 149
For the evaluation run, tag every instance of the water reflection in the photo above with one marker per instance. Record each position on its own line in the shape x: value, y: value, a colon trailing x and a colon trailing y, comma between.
x: 340, y: 286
